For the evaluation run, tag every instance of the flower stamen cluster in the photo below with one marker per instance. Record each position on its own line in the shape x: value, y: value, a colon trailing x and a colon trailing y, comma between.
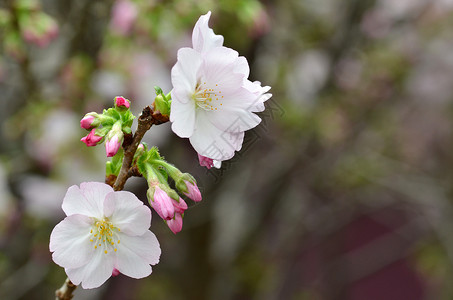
x: 105, y: 235
x: 204, y: 97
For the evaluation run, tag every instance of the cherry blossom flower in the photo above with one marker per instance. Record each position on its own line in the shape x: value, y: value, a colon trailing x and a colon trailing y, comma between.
x: 213, y: 102
x: 105, y: 232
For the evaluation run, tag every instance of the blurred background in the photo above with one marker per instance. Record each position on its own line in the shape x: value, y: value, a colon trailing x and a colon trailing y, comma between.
x: 344, y: 191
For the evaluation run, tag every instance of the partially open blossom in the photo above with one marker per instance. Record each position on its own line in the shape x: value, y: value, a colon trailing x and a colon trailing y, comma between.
x: 208, y: 162
x: 124, y: 13
x: 104, y: 232
x: 213, y: 102
x: 161, y: 202
x: 122, y: 102
x: 91, y: 139
x: 175, y: 224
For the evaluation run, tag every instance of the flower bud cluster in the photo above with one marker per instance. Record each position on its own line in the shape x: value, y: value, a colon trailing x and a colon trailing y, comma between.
x: 110, y: 126
x: 162, y: 102
x: 165, y: 200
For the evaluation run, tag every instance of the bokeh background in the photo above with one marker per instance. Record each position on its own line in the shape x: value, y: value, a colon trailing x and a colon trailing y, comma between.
x: 344, y: 191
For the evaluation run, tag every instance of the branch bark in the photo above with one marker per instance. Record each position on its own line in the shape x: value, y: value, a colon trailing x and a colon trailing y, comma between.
x: 145, y: 121
x: 65, y: 292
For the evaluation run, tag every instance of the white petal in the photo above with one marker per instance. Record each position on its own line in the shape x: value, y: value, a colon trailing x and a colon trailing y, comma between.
x: 217, y: 164
x: 146, y: 246
x: 70, y: 243
x: 218, y: 67
x: 210, y: 141
x: 87, y: 200
x: 182, y: 116
x: 75, y: 202
x: 135, y: 254
x: 184, y: 74
x: 94, y: 273
x: 242, y: 66
x: 203, y: 37
x: 234, y: 120
x: 127, y: 213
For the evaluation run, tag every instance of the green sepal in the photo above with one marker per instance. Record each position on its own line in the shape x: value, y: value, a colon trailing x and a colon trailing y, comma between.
x: 113, y: 167
x: 158, y: 90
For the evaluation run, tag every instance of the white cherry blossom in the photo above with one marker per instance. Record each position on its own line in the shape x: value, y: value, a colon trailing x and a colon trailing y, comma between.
x: 213, y: 102
x: 103, y: 231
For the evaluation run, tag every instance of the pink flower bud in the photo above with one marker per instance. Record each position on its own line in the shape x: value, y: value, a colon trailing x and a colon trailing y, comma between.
x: 180, y: 206
x: 86, y: 122
x: 122, y: 102
x: 175, y: 224
x: 112, y: 146
x: 91, y: 139
x: 192, y: 191
x: 162, y: 204
x: 205, y: 161
x: 115, y: 272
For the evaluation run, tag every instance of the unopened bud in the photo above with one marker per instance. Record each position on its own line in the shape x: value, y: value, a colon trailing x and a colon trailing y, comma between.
x: 90, y: 121
x: 161, y: 202
x: 179, y: 205
x: 192, y: 191
x: 175, y: 224
x: 121, y: 102
x: 91, y: 139
x: 112, y: 146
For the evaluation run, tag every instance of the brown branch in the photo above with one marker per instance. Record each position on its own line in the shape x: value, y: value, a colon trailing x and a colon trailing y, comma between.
x: 65, y: 292
x: 145, y: 121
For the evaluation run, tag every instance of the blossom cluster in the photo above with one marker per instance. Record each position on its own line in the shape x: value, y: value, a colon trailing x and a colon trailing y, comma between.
x: 212, y: 103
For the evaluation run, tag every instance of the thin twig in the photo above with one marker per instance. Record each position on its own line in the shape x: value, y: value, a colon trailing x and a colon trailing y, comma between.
x: 65, y: 292
x: 145, y: 121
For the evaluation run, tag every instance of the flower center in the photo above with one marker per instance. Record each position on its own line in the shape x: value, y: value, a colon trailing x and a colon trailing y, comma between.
x: 104, y: 235
x: 209, y: 99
